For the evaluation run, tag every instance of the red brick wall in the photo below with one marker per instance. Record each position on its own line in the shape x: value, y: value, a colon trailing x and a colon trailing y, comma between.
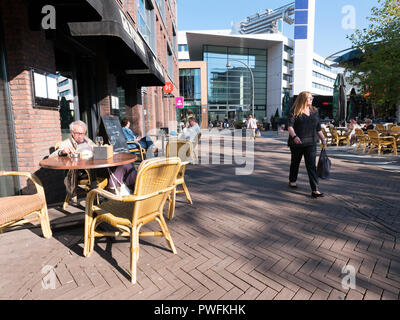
x: 160, y: 110
x: 36, y: 129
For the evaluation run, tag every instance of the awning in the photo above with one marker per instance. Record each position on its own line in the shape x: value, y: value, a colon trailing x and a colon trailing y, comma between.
x: 126, y: 47
x: 151, y: 76
x: 66, y: 11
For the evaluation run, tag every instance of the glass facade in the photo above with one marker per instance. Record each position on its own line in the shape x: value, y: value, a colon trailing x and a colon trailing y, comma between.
x: 8, y: 185
x: 230, y: 88
x: 190, y: 90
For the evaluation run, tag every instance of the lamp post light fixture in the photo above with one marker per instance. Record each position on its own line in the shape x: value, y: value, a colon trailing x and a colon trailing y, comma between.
x: 228, y: 65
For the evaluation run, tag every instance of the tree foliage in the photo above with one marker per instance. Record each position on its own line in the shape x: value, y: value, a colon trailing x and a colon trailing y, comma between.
x: 378, y: 72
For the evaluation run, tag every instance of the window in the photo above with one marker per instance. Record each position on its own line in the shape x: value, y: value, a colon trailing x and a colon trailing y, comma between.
x: 287, y: 77
x: 288, y: 49
x: 174, y: 39
x: 322, y: 87
x: 183, y: 48
x: 170, y: 62
x: 161, y: 8
x: 65, y: 93
x: 288, y: 64
x: 146, y: 22
x: 321, y: 65
x: 63, y: 83
x: 321, y: 76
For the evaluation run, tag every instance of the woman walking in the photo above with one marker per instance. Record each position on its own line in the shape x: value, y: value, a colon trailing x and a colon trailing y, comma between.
x: 303, y: 127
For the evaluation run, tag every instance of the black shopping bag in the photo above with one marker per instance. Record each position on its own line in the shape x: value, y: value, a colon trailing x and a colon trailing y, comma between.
x: 324, y: 165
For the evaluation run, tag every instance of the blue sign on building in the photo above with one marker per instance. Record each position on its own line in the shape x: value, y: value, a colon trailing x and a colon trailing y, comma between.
x: 301, y: 4
x: 301, y: 20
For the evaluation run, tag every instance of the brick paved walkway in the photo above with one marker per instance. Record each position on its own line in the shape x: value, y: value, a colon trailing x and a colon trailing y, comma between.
x: 245, y: 237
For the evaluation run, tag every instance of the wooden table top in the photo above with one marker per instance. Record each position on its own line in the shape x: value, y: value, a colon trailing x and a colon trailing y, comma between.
x: 71, y: 163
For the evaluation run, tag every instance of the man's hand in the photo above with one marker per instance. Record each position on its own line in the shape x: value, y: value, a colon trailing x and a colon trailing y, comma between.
x: 67, y: 150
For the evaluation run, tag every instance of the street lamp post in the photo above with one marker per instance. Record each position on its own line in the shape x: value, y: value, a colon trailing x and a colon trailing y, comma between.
x: 228, y: 65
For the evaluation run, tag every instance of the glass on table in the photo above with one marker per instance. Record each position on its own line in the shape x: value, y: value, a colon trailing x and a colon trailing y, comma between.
x: 112, y: 140
x: 99, y: 140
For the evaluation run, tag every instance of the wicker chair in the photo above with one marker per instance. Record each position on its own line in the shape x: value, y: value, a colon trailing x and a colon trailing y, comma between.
x: 390, y: 126
x: 155, y: 180
x: 337, y: 138
x: 84, y: 183
x: 16, y: 210
x: 184, y: 150
x: 395, y: 130
x: 195, y: 148
x: 141, y: 151
x: 380, y: 128
x: 328, y: 137
x: 362, y: 139
x: 378, y: 142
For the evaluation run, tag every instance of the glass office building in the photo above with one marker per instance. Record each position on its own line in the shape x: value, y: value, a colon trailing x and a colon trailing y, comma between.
x: 230, y: 86
x: 190, y: 89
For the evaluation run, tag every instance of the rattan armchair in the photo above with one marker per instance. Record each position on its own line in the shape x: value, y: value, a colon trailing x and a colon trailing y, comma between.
x: 85, y: 184
x: 139, y: 150
x: 328, y: 137
x: 195, y: 148
x: 378, y: 142
x: 362, y: 139
x: 154, y: 182
x: 184, y: 150
x: 337, y: 138
x: 380, y: 128
x: 395, y: 131
x: 17, y: 210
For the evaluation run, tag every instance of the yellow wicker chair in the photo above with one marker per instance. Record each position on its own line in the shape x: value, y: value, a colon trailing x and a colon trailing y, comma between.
x: 395, y: 130
x: 154, y: 182
x: 362, y: 139
x: 380, y: 128
x: 195, y: 148
x: 337, y: 138
x: 17, y: 210
x: 327, y: 137
x: 141, y: 151
x: 378, y: 142
x: 390, y: 126
x: 184, y: 150
x: 85, y: 184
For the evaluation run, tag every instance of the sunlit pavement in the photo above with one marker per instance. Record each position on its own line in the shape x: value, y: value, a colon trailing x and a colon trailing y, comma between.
x: 244, y: 237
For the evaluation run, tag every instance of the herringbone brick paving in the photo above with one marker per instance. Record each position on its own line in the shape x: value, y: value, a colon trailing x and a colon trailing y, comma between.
x: 245, y: 237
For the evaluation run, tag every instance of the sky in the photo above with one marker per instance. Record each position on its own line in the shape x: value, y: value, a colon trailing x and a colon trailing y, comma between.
x: 333, y: 19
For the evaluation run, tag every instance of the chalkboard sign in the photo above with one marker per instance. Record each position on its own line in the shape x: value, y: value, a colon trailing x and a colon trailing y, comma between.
x: 110, y: 126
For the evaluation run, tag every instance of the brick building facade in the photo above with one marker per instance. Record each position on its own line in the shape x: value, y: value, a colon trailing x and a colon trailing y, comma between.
x: 111, y: 50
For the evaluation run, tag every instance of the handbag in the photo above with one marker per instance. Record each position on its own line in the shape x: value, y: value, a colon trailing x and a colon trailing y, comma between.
x: 324, y: 165
x: 123, y: 189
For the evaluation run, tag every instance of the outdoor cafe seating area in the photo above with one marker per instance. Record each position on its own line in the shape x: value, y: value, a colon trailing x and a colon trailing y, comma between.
x: 158, y: 181
x: 384, y: 138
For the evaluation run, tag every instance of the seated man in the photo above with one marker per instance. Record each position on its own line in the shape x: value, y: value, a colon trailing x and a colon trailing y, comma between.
x: 77, y: 142
x: 368, y: 125
x: 191, y: 130
x: 144, y: 142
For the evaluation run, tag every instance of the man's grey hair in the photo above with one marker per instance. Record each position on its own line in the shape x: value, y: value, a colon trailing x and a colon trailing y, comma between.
x: 367, y: 120
x: 78, y: 123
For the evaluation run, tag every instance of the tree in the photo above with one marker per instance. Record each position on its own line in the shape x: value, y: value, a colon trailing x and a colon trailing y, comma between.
x: 378, y: 71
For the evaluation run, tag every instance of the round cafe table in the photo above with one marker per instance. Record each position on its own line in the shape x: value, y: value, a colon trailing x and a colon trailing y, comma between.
x: 67, y: 163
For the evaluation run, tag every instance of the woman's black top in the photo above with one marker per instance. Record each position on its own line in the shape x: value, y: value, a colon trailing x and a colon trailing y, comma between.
x: 305, y: 127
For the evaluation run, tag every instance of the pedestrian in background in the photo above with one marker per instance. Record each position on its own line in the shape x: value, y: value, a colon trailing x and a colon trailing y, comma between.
x: 252, y: 125
x: 304, y: 128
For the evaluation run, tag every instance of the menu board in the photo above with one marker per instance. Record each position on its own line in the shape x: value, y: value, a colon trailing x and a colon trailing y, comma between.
x: 110, y: 126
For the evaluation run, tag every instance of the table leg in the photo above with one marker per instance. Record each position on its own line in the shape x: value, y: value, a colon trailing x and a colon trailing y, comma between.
x: 93, y: 179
